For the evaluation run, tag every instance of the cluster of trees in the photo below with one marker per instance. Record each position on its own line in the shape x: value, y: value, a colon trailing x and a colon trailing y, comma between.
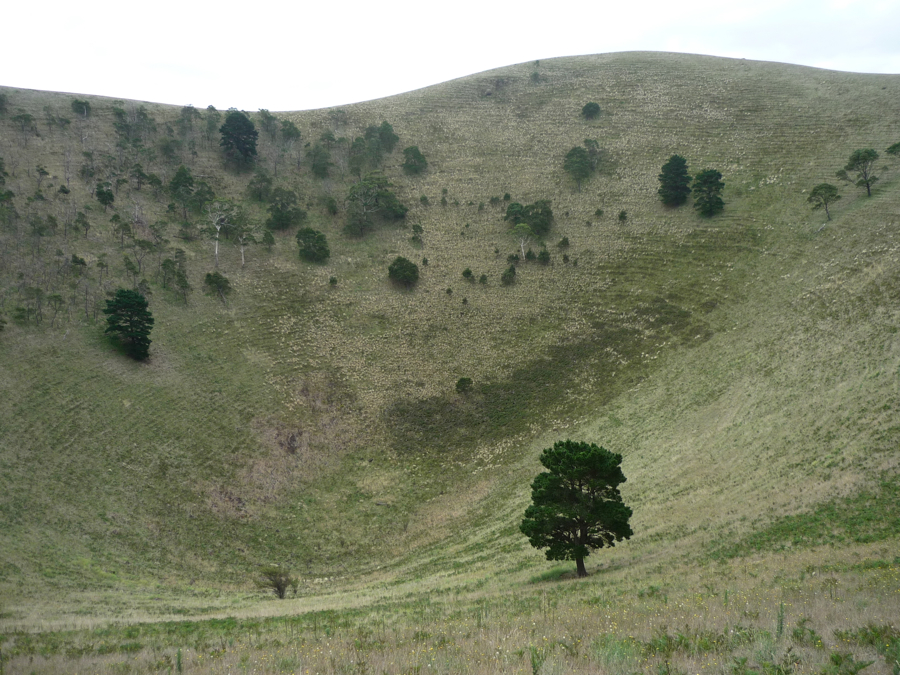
x: 859, y: 170
x: 371, y: 201
x: 675, y: 185
x: 581, y: 161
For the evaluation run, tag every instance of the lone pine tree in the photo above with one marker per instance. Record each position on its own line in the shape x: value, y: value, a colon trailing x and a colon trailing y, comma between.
x: 576, y: 505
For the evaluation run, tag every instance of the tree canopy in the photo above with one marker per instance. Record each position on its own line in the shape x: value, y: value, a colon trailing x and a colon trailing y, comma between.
x: 369, y: 199
x: 822, y: 195
x: 403, y: 271
x: 862, y: 164
x: 313, y: 245
x: 576, y: 505
x: 128, y: 318
x: 283, y: 210
x: 674, y: 181
x: 538, y: 216
x: 578, y: 165
x: 239, y: 136
x: 415, y: 162
x: 590, y: 111
x: 707, y: 190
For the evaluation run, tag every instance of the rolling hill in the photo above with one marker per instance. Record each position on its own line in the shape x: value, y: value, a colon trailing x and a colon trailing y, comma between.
x: 745, y: 365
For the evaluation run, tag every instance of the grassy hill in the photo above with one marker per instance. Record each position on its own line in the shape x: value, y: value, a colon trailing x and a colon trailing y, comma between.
x: 746, y: 367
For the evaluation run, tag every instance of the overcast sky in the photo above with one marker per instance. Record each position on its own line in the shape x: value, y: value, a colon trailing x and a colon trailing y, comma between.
x: 302, y: 55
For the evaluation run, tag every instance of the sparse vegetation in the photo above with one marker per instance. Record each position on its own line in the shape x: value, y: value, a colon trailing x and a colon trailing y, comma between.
x: 319, y: 425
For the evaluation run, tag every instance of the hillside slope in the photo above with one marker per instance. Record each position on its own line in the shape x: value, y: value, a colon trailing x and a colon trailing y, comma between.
x: 745, y: 365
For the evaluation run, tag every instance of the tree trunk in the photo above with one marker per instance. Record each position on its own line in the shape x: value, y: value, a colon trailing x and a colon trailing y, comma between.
x: 579, y: 566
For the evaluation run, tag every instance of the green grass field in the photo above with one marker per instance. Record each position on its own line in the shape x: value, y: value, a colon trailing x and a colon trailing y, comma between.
x: 746, y: 366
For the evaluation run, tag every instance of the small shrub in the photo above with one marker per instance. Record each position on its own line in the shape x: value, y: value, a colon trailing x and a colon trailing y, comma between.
x: 449, y: 291
x: 277, y: 580
x: 623, y: 216
x: 313, y: 246
x: 467, y: 275
x: 483, y: 280
x: 480, y: 207
x: 417, y: 229
x: 544, y: 257
x: 403, y: 271
x: 424, y: 200
x: 332, y: 281
x: 425, y: 262
x: 512, y: 258
x: 494, y: 201
x: 598, y: 213
x: 566, y: 258
x: 590, y: 111
x: 530, y: 255
x: 563, y: 243
x: 509, y: 276
x: 464, y: 384
x: 331, y: 206
x: 506, y: 197
x: 443, y: 201
x: 844, y: 664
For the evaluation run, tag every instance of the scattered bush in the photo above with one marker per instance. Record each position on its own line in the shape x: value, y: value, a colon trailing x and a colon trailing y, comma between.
x: 332, y: 281
x: 509, y: 276
x: 483, y: 280
x: 218, y: 284
x: 623, y: 216
x: 590, y: 111
x: 544, y: 257
x: 563, y: 243
x: 313, y: 245
x: 415, y: 161
x: 277, y: 579
x: 403, y: 271
x: 467, y: 274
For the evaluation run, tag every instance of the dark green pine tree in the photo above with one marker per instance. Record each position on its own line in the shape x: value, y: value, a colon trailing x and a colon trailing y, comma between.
x: 239, y: 136
x: 127, y: 317
x: 576, y: 505
x: 707, y: 188
x: 674, y: 182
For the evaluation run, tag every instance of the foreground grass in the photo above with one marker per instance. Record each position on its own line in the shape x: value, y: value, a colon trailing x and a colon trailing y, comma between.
x: 775, y: 616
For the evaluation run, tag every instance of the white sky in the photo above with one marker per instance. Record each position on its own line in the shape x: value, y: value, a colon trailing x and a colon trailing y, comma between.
x: 300, y: 55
